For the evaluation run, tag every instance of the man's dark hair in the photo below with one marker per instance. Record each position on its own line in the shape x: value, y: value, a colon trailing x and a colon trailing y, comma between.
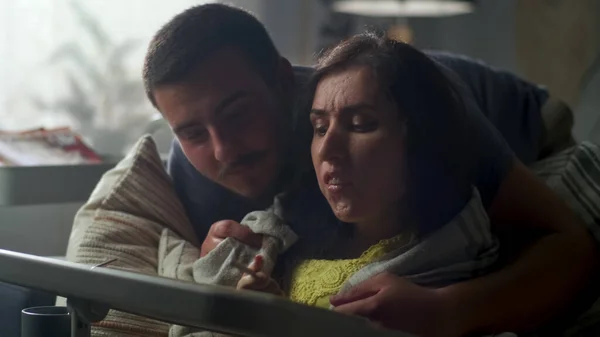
x: 192, y: 36
x: 439, y: 163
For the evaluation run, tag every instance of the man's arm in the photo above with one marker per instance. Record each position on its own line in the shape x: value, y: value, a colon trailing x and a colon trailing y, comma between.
x: 555, y: 254
x: 546, y: 276
x: 539, y: 285
x: 99, y: 236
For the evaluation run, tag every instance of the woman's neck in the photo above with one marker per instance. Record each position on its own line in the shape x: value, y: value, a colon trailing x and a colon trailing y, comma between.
x: 371, y: 231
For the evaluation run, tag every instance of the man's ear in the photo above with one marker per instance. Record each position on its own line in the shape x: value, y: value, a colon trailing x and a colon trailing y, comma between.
x: 286, y: 76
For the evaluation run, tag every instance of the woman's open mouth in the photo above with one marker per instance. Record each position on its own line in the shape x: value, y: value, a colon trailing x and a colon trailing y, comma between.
x: 335, y: 183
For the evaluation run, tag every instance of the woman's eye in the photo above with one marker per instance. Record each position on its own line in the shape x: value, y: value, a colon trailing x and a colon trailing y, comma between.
x: 319, y: 125
x: 364, y: 127
x: 320, y: 129
x: 361, y: 124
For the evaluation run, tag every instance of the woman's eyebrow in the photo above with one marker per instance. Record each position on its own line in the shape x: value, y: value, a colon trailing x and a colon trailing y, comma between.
x: 345, y: 110
x: 357, y: 107
x: 318, y: 112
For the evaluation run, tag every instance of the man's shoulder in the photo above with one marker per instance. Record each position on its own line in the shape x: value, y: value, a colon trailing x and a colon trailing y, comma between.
x: 453, y: 60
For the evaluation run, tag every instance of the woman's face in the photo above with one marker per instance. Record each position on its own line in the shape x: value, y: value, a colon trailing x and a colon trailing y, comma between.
x: 358, y: 146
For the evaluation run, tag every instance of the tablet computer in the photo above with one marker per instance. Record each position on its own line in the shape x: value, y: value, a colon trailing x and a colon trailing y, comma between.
x: 209, y: 307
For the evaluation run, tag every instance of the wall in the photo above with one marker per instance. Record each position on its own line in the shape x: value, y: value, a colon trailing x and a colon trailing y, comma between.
x: 557, y: 44
x: 487, y: 34
x: 587, y: 122
x: 292, y: 24
x: 256, y: 7
x: 292, y: 27
x: 530, y: 45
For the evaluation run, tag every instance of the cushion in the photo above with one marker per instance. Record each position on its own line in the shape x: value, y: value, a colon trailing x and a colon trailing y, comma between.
x: 140, y: 186
x: 574, y: 174
x: 131, y: 211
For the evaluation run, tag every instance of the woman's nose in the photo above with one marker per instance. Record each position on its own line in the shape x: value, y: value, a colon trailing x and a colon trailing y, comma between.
x: 333, y: 145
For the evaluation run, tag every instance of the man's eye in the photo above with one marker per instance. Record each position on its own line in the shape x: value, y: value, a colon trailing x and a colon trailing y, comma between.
x: 195, y: 135
x: 235, y: 115
x: 239, y: 113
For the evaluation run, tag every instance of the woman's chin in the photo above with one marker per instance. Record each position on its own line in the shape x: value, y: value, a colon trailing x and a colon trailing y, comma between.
x: 345, y: 212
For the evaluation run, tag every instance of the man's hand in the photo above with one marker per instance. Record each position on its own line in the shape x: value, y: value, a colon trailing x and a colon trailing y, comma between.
x: 398, y: 304
x: 223, y: 229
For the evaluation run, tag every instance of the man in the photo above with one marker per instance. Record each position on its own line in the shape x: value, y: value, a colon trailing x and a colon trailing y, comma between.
x: 226, y: 110
x: 218, y: 80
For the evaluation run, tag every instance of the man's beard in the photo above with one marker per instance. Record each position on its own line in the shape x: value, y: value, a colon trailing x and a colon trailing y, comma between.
x: 283, y: 150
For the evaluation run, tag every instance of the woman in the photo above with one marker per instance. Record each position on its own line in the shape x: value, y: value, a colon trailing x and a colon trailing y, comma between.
x: 390, y: 184
x: 392, y: 155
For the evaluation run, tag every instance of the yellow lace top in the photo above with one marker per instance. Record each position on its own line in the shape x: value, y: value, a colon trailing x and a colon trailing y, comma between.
x: 314, y: 281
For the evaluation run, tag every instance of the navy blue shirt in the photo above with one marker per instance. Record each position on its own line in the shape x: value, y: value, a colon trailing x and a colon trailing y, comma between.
x: 511, y: 104
x: 497, y: 104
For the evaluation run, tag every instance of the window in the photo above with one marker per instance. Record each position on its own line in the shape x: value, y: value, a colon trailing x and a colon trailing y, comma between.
x: 78, y: 63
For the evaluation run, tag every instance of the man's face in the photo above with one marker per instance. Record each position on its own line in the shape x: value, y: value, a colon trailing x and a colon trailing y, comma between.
x: 228, y: 123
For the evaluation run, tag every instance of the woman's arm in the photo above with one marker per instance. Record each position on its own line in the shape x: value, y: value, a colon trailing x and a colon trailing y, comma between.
x: 543, y: 280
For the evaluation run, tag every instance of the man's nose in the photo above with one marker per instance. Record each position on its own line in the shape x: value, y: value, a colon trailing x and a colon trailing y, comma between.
x: 224, y: 148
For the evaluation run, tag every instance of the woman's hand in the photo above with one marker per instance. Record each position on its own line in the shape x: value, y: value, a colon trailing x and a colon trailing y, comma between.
x: 256, y: 280
x: 398, y: 304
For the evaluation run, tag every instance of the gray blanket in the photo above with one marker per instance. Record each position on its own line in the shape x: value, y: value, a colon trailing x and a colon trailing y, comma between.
x: 462, y: 249
x: 216, y: 266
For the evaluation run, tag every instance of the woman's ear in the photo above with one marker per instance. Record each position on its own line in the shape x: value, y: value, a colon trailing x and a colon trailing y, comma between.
x: 285, y: 75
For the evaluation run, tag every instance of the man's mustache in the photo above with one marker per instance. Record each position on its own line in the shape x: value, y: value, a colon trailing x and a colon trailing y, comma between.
x: 241, y: 161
